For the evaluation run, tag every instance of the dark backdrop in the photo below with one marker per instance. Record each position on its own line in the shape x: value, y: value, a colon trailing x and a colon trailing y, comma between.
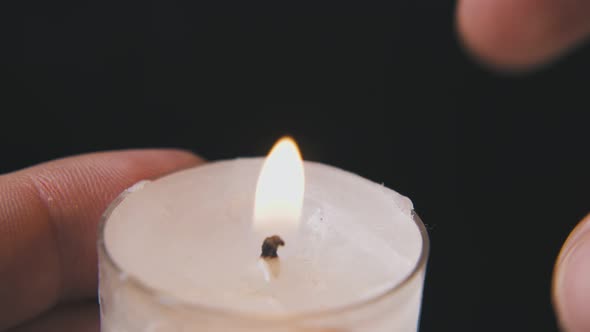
x: 497, y: 166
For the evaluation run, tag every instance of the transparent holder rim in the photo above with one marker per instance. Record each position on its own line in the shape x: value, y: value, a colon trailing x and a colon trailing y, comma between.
x: 271, y: 318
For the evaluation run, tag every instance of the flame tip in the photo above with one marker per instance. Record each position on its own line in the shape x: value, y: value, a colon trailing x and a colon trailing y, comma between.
x: 280, y: 187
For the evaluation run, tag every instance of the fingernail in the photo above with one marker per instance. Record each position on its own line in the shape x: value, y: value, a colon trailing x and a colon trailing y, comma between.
x: 572, y: 286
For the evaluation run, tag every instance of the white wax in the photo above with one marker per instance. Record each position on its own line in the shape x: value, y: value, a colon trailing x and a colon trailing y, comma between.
x: 189, y: 235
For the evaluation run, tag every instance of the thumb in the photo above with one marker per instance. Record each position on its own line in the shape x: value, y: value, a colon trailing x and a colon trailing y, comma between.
x: 571, y: 280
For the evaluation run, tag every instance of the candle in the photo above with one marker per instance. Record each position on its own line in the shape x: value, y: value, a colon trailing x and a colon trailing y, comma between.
x: 261, y: 245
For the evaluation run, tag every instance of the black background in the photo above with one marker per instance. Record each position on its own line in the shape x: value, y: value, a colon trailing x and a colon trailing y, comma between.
x: 497, y: 166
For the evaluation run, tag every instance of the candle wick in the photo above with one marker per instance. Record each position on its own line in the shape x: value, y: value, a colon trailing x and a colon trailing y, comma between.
x: 270, y: 246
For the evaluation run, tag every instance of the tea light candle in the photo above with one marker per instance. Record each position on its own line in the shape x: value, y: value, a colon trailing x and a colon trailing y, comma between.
x: 183, y: 253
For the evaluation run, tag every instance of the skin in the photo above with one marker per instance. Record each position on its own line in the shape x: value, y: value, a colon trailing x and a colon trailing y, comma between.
x: 48, y: 223
x: 518, y: 36
x: 49, y: 212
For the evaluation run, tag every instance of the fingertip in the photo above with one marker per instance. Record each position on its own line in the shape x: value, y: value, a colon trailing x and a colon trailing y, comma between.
x: 152, y: 163
x: 571, y: 280
x: 148, y: 162
x: 50, y: 214
x: 519, y: 35
x: 178, y: 158
x: 77, y: 190
x: 492, y: 36
x: 105, y: 174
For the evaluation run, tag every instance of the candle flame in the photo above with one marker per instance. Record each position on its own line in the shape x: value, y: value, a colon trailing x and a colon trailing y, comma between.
x: 280, y: 189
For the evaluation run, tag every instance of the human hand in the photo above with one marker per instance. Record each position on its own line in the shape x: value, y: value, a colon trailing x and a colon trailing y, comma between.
x: 571, y: 280
x: 48, y: 224
x: 519, y: 34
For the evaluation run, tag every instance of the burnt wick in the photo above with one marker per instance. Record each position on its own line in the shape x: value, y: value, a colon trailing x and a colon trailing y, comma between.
x: 270, y: 246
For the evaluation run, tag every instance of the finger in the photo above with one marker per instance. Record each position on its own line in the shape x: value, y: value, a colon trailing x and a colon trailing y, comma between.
x: 519, y: 34
x: 74, y: 317
x: 571, y: 280
x: 48, y: 223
